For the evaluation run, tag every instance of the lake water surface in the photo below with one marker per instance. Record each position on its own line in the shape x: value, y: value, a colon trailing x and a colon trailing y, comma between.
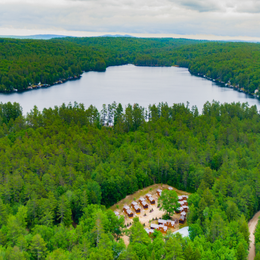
x: 130, y: 84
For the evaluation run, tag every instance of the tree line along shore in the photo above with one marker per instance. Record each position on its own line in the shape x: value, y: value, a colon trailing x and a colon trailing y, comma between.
x: 25, y: 63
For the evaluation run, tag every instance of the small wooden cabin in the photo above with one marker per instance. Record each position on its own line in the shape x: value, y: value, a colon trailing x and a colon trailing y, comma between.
x: 161, y: 228
x: 161, y: 222
x: 150, y: 199
x: 182, y: 203
x: 167, y: 223
x: 185, y: 197
x: 117, y: 214
x: 180, y: 209
x: 182, y: 220
x: 128, y: 211
x: 149, y: 231
x: 159, y: 192
x: 143, y: 203
x: 184, y: 214
x: 185, y: 202
x: 180, y: 198
x: 170, y: 223
x: 185, y: 208
x: 136, y: 207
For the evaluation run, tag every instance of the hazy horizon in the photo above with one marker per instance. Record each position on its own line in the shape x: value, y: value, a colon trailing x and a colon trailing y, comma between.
x: 192, y: 19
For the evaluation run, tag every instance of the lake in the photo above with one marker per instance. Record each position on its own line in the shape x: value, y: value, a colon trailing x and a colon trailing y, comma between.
x: 131, y: 84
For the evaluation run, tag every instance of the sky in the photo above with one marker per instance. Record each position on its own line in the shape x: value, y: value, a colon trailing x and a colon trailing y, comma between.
x: 197, y: 19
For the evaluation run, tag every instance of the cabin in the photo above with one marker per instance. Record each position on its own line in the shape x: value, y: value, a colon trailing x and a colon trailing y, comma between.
x: 184, y: 214
x: 161, y: 222
x: 182, y: 220
x: 185, y: 208
x: 185, y: 203
x: 180, y: 209
x: 170, y: 223
x: 143, y: 203
x: 167, y: 223
x: 161, y: 228
x: 159, y: 192
x: 149, y: 231
x: 136, y: 207
x: 185, y: 197
x: 128, y: 211
x: 180, y: 198
x: 170, y: 188
x: 182, y: 203
x: 150, y: 199
x: 117, y: 214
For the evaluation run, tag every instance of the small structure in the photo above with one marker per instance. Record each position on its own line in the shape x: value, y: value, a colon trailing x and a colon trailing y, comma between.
x: 180, y: 209
x: 150, y: 198
x: 159, y: 192
x: 128, y: 211
x: 161, y: 222
x: 180, y: 198
x: 167, y: 223
x: 183, y: 213
x: 183, y: 231
x: 185, y: 208
x: 182, y: 220
x: 149, y: 231
x: 136, y: 207
x: 185, y: 197
x: 170, y: 223
x: 117, y: 214
x: 185, y: 202
x: 170, y: 188
x: 161, y: 228
x: 143, y: 203
x: 182, y: 203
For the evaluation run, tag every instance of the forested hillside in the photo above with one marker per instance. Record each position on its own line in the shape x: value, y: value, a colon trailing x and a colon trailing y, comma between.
x: 60, y: 169
x: 27, y: 62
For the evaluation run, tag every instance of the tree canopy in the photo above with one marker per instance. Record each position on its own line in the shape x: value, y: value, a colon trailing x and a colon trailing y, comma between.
x: 169, y: 201
x: 63, y: 167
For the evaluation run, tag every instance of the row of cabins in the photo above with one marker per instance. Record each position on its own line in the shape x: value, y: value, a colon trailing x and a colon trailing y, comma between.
x: 136, y: 207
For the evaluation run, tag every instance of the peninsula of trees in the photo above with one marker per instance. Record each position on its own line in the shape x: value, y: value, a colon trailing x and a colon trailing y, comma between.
x: 60, y: 169
x: 26, y: 63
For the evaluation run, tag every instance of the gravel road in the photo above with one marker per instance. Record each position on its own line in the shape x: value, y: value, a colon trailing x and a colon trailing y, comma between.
x: 252, y: 225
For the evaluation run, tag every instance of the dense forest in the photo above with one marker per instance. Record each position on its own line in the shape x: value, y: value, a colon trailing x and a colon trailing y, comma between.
x: 62, y: 168
x: 25, y: 63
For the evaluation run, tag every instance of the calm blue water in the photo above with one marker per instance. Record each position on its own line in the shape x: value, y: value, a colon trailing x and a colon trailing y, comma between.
x: 130, y: 84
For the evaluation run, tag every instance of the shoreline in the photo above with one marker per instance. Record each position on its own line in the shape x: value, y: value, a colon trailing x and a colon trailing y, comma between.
x: 76, y: 77
x: 225, y: 85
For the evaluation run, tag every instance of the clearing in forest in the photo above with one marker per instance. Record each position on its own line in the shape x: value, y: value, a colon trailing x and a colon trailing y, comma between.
x: 147, y: 216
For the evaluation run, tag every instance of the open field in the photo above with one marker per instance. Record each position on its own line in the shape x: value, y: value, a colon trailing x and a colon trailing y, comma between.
x: 150, y: 215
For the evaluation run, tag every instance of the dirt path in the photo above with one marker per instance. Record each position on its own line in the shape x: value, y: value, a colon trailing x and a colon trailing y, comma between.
x: 252, y: 225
